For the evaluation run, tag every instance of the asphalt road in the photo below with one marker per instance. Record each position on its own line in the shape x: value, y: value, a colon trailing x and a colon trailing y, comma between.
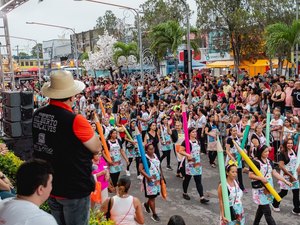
x: 195, y: 213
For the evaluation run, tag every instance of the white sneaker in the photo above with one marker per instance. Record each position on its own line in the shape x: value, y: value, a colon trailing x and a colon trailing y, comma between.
x: 128, y: 173
x: 140, y: 177
x: 275, y: 209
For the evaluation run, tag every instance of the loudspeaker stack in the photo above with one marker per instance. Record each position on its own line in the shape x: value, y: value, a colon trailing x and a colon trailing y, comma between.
x: 17, y: 113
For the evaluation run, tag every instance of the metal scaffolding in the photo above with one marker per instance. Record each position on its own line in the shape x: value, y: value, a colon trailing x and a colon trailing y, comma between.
x: 7, y: 74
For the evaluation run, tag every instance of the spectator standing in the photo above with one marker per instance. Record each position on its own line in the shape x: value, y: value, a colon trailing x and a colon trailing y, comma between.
x: 68, y: 142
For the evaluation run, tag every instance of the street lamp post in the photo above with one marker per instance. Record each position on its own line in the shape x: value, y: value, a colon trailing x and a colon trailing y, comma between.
x: 138, y: 25
x: 38, y: 55
x: 188, y: 50
x: 75, y: 40
x: 297, y: 45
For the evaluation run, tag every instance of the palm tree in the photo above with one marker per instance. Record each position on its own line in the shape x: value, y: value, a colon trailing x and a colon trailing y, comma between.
x: 281, y: 39
x: 125, y: 50
x: 166, y: 37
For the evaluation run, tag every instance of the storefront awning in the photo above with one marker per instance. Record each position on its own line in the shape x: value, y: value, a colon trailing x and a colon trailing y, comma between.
x: 220, y: 64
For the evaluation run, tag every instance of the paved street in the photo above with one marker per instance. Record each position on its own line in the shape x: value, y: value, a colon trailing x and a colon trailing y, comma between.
x: 196, y: 213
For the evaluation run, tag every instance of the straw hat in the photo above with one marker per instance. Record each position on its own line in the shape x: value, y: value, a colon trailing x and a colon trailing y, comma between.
x: 62, y: 85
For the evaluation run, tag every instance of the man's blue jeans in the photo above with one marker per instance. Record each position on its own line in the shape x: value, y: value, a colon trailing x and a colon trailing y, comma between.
x: 70, y: 211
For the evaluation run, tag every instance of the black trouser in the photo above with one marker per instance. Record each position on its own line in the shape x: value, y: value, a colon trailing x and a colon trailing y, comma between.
x: 202, y: 139
x: 264, y: 210
x: 212, y: 156
x: 168, y: 155
x: 156, y: 151
x: 186, y: 181
x: 240, y: 179
x: 137, y: 161
x: 114, y: 178
x: 296, y: 202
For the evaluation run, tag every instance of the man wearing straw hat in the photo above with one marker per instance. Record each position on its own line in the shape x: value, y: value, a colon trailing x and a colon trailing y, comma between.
x: 68, y: 142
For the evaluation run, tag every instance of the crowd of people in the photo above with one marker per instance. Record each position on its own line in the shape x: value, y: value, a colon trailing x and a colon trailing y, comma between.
x: 217, y: 107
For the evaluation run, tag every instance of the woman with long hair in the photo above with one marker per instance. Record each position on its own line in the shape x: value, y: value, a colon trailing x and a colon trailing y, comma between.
x: 193, y: 166
x: 166, y: 141
x: 152, y: 137
x: 278, y: 98
x: 131, y: 149
x: 257, y: 139
x: 152, y: 181
x: 211, y: 130
x: 116, y: 151
x: 232, y: 153
x: 287, y: 164
x: 261, y: 196
x: 235, y: 195
x: 123, y: 209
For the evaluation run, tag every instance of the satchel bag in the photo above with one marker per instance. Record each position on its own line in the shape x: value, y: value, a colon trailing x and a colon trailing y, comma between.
x: 256, y: 184
x: 96, y: 194
x: 232, y: 213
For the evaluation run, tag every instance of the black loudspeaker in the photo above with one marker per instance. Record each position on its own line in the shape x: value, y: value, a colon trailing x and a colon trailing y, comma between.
x: 12, y: 114
x: 186, y: 61
x: 12, y: 129
x: 17, y: 113
x: 11, y: 98
x: 26, y: 127
x: 26, y: 98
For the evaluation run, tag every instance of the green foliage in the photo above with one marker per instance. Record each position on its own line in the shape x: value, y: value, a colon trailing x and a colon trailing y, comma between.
x: 9, y: 164
x: 281, y: 36
x: 84, y: 56
x: 243, y: 22
x: 33, y: 52
x: 98, y: 218
x: 158, y: 11
x: 126, y: 50
x: 110, y: 23
x: 23, y: 55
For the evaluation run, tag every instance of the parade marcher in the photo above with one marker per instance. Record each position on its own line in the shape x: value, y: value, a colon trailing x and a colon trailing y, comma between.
x: 101, y: 174
x: 68, y: 142
x: 193, y: 166
x: 287, y: 164
x: 235, y: 195
x: 131, y: 149
x: 152, y: 182
x: 260, y: 195
x: 116, y: 152
x: 166, y: 141
x: 122, y: 120
x: 123, y: 209
x: 211, y: 131
x: 232, y: 152
x: 152, y: 137
x: 177, y: 138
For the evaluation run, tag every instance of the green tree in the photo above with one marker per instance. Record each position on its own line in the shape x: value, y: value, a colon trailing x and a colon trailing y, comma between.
x: 167, y: 37
x: 158, y: 11
x: 125, y: 50
x: 108, y: 22
x: 34, y: 51
x: 242, y: 22
x: 282, y: 38
x: 23, y: 55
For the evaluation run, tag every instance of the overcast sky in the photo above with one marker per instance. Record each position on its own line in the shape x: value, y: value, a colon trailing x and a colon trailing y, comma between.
x: 80, y: 15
